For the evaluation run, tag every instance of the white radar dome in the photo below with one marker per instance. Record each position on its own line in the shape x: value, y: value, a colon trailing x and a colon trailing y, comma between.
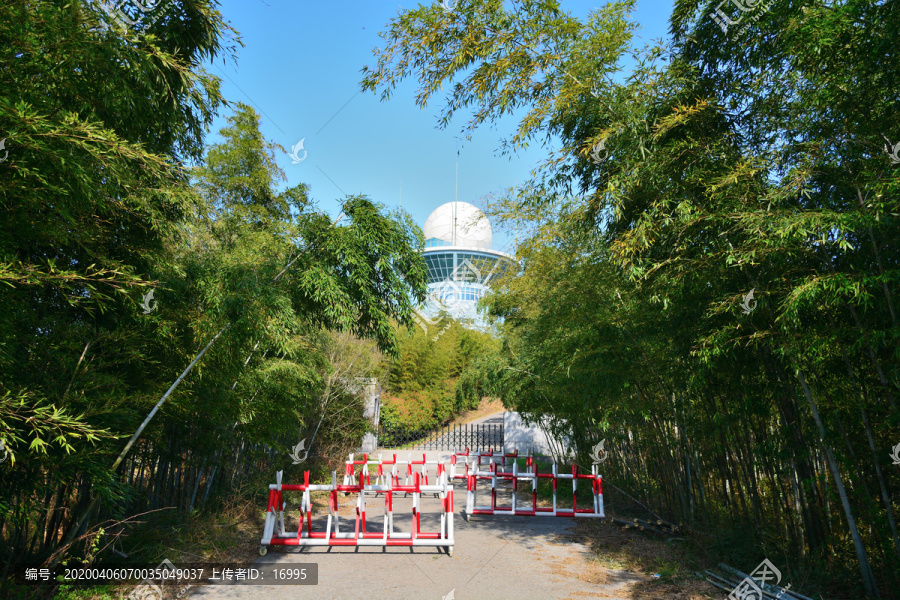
x: 459, y: 224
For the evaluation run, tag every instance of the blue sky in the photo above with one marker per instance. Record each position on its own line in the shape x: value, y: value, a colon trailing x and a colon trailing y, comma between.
x: 300, y: 67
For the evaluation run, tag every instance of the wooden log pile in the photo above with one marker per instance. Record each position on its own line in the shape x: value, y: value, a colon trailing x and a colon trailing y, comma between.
x: 658, y: 526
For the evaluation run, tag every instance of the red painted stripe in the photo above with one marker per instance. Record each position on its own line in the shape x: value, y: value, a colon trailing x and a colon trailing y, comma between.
x: 355, y: 489
x: 341, y: 542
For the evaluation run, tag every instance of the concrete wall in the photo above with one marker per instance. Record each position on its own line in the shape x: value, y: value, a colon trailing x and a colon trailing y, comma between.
x: 371, y: 389
x: 517, y: 435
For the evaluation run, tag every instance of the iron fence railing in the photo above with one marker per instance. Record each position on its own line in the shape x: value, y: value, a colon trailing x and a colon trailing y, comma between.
x: 477, y: 436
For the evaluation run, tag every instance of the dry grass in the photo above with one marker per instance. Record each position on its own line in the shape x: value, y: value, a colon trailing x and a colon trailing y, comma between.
x: 618, y: 548
x: 587, y: 571
x: 416, y: 405
x: 488, y: 406
x: 227, y: 533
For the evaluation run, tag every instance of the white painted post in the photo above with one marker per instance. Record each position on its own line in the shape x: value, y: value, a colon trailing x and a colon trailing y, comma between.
x: 515, y: 484
x: 555, y: 485
x: 450, y: 519
x: 332, y: 498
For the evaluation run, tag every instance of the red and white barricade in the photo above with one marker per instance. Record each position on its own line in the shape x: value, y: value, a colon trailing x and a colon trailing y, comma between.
x: 406, y: 469
x: 498, y: 469
x: 479, y: 457
x: 476, y: 459
x: 359, y: 484
x: 393, y: 470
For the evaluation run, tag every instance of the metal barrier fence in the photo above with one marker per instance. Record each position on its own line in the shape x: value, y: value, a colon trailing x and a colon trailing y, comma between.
x: 500, y: 469
x: 478, y: 436
x: 504, y: 476
x: 274, y: 533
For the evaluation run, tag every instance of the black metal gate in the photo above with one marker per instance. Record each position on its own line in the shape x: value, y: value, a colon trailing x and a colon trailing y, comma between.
x: 486, y: 435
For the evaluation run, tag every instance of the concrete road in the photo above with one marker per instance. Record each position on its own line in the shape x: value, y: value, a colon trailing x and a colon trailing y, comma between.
x: 494, y: 558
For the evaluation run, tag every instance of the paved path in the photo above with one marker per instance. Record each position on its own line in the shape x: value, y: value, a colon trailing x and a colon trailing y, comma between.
x: 502, y: 558
x: 494, y: 558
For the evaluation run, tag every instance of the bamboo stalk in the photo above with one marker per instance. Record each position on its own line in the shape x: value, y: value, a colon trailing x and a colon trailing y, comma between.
x: 171, y: 389
x: 199, y: 474
x: 884, y: 495
x: 864, y: 566
x: 75, y: 370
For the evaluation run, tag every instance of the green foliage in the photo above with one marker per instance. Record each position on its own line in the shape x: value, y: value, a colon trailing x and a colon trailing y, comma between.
x: 36, y: 427
x: 421, y: 381
x: 96, y: 125
x: 507, y: 55
x: 98, y: 210
x: 729, y: 165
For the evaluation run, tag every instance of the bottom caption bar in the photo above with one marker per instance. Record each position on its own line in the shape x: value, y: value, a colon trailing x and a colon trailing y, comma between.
x: 166, y: 575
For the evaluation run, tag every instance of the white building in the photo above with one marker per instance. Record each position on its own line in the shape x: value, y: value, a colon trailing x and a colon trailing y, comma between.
x: 461, y: 262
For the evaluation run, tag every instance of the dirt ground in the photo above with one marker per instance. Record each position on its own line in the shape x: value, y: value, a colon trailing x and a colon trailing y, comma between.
x: 488, y: 406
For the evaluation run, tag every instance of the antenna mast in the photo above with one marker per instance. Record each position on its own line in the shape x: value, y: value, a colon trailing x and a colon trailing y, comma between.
x: 455, y: 200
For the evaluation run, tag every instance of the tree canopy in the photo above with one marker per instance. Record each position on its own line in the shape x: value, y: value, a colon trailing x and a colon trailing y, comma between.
x: 108, y: 193
x: 721, y: 163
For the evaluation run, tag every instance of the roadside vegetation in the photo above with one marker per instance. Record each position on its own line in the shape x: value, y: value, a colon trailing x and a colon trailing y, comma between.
x: 708, y: 260
x: 109, y: 193
x: 707, y: 280
x: 420, y: 390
